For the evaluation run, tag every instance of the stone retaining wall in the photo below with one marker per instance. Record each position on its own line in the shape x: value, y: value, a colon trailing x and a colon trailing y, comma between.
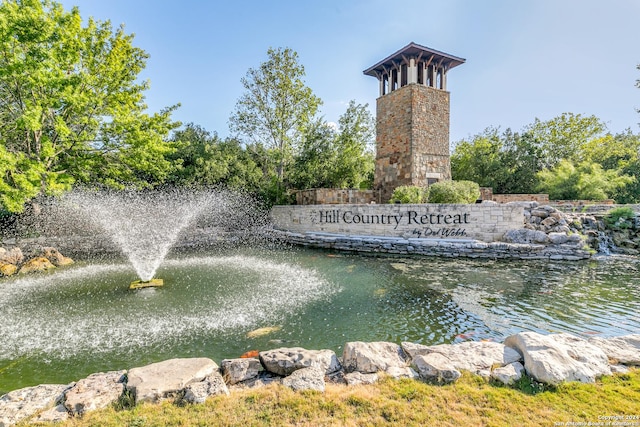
x: 507, y: 198
x: 336, y: 196
x: 434, y: 247
x: 487, y: 223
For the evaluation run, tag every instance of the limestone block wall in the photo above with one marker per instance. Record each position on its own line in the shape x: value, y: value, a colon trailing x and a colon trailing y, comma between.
x: 507, y: 198
x: 486, y: 223
x: 332, y: 196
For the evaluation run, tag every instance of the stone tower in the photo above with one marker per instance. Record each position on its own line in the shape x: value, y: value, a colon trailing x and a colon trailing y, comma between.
x: 412, y: 118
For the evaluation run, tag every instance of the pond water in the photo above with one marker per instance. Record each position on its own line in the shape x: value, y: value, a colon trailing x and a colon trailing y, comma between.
x: 62, y: 326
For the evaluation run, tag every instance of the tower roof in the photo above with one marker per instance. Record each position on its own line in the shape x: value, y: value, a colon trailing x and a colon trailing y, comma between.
x: 414, y: 50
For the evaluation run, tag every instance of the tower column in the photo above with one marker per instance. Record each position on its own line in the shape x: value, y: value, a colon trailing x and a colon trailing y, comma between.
x: 425, y: 75
x: 412, y: 71
x: 444, y: 78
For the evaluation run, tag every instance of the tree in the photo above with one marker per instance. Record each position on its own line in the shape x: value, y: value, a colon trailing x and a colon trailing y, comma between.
x: 586, y: 181
x: 521, y: 159
x: 563, y: 137
x: 315, y: 158
x: 620, y: 152
x: 336, y: 158
x: 355, y: 159
x: 480, y: 160
x: 71, y: 106
x: 276, y: 106
x: 202, y: 158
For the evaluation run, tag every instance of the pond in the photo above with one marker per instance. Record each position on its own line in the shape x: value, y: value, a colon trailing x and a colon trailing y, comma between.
x: 62, y: 326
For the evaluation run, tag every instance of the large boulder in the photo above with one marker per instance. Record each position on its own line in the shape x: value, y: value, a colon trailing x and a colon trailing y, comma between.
x: 358, y: 378
x: 26, y: 402
x: 311, y: 378
x: 524, y: 235
x: 624, y: 350
x: 13, y: 256
x: 56, y: 414
x: 264, y: 378
x: 285, y: 361
x: 401, y: 372
x: 436, y: 368
x: 557, y: 358
x: 508, y: 374
x: 372, y: 357
x: 56, y: 258
x: 7, y: 269
x: 97, y: 391
x: 35, y: 265
x: 163, y: 379
x: 473, y: 356
x: 558, y: 238
x: 212, y: 385
x: 237, y: 370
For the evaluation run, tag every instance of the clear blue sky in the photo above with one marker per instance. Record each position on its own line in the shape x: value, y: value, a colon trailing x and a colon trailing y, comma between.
x: 525, y: 58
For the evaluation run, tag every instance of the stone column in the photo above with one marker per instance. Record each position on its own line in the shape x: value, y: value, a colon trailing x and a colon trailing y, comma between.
x: 412, y: 72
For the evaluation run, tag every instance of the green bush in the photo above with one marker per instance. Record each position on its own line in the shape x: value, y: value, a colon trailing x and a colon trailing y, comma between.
x: 454, y: 192
x: 409, y: 194
x: 621, y: 217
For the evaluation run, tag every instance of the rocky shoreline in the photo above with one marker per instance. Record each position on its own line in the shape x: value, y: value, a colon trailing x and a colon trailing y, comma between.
x: 38, y: 258
x: 549, y: 359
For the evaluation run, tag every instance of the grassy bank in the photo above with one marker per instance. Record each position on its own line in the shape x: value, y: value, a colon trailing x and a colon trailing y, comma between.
x: 469, y: 402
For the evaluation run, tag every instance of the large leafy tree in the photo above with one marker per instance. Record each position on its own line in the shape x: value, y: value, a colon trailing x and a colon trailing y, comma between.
x: 563, y: 137
x: 621, y: 153
x: 585, y: 181
x: 312, y: 165
x: 508, y: 162
x: 355, y: 158
x: 71, y: 105
x: 342, y: 157
x: 275, y: 108
x: 480, y: 160
x: 203, y: 158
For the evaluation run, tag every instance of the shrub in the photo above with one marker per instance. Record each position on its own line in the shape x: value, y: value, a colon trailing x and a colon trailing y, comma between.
x: 621, y: 217
x: 409, y: 194
x: 454, y: 192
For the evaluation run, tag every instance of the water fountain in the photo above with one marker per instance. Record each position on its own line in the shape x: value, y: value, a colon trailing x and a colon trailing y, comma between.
x: 145, y: 225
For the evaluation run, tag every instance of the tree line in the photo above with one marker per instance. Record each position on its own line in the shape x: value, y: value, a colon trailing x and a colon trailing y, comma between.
x: 569, y: 157
x: 73, y: 112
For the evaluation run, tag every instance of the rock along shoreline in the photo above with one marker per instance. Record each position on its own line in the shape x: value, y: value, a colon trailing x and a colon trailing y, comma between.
x: 550, y: 359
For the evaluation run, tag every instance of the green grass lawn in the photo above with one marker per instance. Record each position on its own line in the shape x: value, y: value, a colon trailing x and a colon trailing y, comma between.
x: 469, y: 402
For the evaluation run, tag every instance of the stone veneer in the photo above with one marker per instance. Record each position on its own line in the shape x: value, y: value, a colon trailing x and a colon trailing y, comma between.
x: 425, y: 221
x: 333, y: 196
x: 412, y: 139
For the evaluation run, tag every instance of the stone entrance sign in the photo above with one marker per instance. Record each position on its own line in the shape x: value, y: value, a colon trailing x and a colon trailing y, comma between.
x: 486, y: 223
